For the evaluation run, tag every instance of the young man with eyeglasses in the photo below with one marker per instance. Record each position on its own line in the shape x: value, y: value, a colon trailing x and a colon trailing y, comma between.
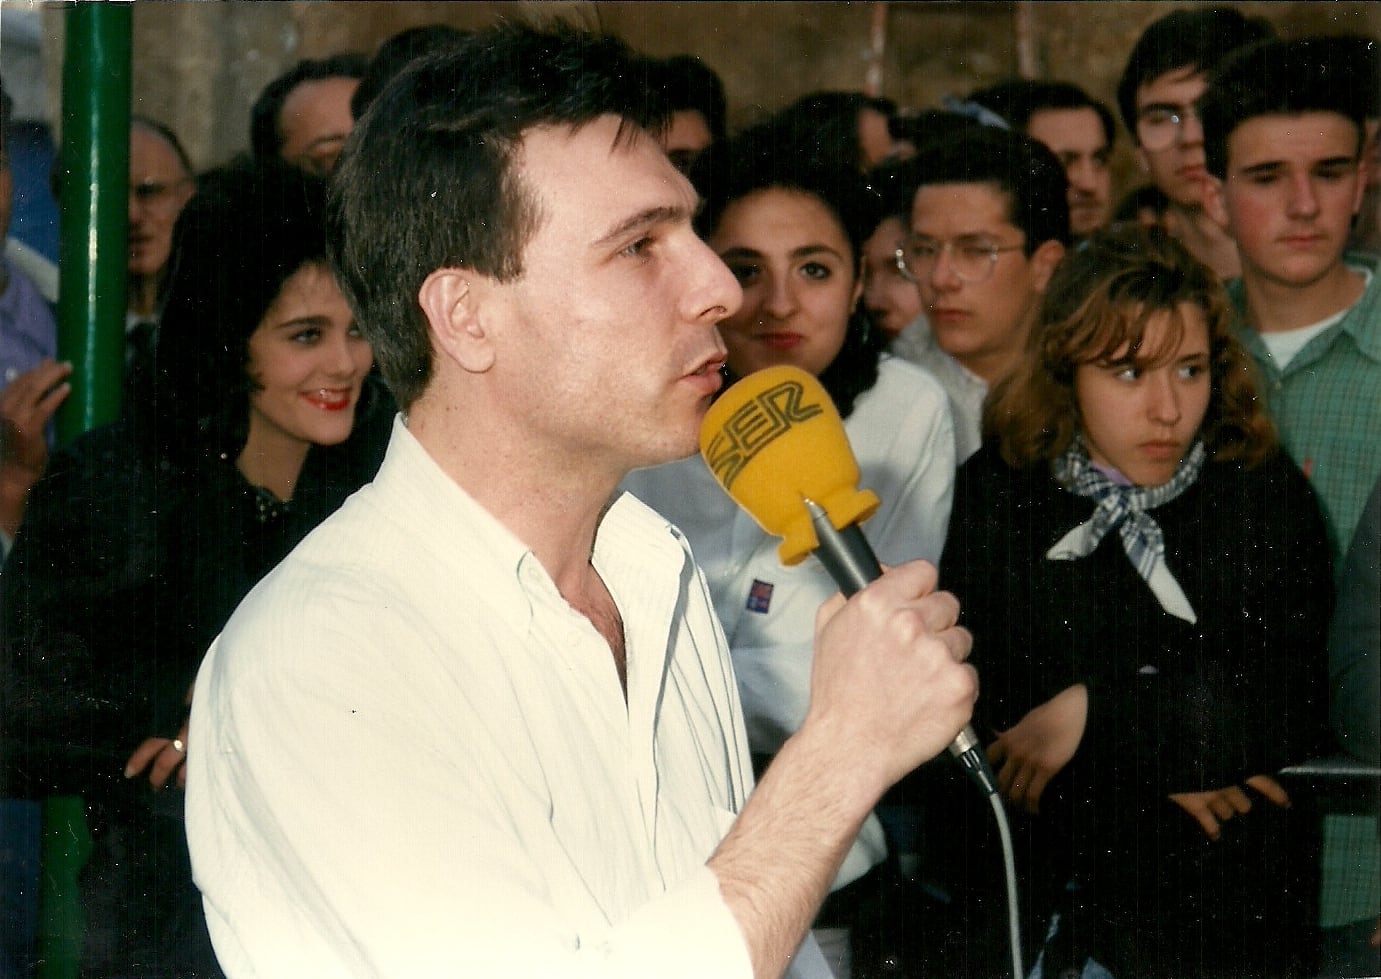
x: 989, y: 222
x: 1158, y: 94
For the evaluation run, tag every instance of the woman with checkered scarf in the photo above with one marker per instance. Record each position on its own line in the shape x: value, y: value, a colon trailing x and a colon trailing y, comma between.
x: 1148, y: 583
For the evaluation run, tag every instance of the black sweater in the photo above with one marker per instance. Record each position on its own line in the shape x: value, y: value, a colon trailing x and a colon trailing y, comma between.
x: 1173, y: 706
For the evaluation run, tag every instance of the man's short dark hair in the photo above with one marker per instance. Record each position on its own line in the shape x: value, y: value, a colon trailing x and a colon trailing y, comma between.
x: 395, y: 54
x: 427, y: 178
x: 824, y: 125
x: 1020, y: 167
x: 265, y: 133
x: 1279, y: 78
x: 692, y: 86
x: 1194, y: 38
x: 1018, y: 99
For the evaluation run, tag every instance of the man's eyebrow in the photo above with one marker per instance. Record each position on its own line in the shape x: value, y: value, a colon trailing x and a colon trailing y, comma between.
x: 1264, y: 167
x: 664, y: 214
x: 1164, y: 107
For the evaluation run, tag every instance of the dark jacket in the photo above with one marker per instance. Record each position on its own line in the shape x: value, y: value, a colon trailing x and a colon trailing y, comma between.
x: 126, y: 567
x: 1173, y: 706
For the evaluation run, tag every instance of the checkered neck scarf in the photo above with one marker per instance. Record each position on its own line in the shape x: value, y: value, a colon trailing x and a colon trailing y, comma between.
x: 1125, y: 509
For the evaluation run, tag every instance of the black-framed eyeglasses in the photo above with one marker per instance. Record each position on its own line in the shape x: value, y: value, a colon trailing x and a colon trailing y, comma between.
x: 1159, y: 127
x: 972, y: 259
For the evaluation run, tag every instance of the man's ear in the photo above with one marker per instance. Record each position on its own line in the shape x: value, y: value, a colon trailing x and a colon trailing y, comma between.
x: 1043, y: 261
x: 450, y: 300
x: 1215, y: 204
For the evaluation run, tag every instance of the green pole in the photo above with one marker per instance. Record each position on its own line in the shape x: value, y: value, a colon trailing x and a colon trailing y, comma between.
x: 91, y: 334
x: 95, y: 212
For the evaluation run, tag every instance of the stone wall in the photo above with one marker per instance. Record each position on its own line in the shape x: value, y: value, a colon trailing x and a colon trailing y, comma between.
x: 198, y: 66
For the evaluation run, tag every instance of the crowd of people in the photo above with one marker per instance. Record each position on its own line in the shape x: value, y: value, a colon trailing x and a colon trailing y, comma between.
x: 321, y: 630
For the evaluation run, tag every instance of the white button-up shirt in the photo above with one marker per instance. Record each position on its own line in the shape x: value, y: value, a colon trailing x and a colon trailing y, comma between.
x: 411, y: 757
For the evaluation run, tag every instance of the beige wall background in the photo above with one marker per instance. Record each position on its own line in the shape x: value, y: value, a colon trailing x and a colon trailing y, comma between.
x: 198, y: 66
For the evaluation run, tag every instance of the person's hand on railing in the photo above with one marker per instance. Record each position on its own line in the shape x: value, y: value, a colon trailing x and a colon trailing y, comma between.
x: 1213, y: 807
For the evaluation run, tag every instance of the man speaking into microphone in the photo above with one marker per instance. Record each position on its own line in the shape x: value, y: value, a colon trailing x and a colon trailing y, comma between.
x: 483, y: 721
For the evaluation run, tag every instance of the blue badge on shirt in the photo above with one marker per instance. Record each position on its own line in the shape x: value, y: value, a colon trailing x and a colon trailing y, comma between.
x: 759, y: 596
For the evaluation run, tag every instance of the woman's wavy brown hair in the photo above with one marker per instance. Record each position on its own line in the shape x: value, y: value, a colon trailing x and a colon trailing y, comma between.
x: 1097, y: 305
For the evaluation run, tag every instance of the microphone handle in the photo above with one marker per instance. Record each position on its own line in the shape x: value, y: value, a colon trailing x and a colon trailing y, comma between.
x: 849, y: 558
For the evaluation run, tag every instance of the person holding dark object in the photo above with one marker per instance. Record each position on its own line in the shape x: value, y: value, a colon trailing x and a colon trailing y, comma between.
x: 1148, y: 580
x: 482, y: 721
x: 143, y: 536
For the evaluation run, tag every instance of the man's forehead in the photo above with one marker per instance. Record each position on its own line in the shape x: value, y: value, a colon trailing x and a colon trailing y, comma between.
x: 150, y: 154
x: 1065, y: 125
x: 1185, y: 84
x: 957, y: 200
x: 1321, y: 135
x: 600, y: 174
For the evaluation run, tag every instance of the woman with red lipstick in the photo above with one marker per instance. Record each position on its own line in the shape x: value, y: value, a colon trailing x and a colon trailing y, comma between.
x: 1148, y: 583
x: 793, y: 232
x: 144, y: 536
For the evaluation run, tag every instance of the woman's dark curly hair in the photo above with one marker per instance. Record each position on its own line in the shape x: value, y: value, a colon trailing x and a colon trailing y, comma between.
x: 765, y: 157
x: 1097, y: 305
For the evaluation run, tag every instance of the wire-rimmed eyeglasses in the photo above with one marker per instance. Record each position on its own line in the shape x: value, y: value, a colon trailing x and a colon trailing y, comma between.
x: 1159, y: 127
x: 972, y: 259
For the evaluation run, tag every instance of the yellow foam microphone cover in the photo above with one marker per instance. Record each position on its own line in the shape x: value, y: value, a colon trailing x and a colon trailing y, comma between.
x: 775, y: 439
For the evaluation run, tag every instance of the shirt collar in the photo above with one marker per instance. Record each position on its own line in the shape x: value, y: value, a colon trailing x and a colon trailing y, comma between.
x: 483, y: 551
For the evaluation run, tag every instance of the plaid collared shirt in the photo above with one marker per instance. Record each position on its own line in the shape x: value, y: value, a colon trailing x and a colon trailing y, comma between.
x: 1327, y: 405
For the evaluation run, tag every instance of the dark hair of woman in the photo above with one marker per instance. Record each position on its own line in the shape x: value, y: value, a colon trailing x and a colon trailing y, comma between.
x: 1098, y: 304
x: 764, y: 158
x: 250, y: 227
